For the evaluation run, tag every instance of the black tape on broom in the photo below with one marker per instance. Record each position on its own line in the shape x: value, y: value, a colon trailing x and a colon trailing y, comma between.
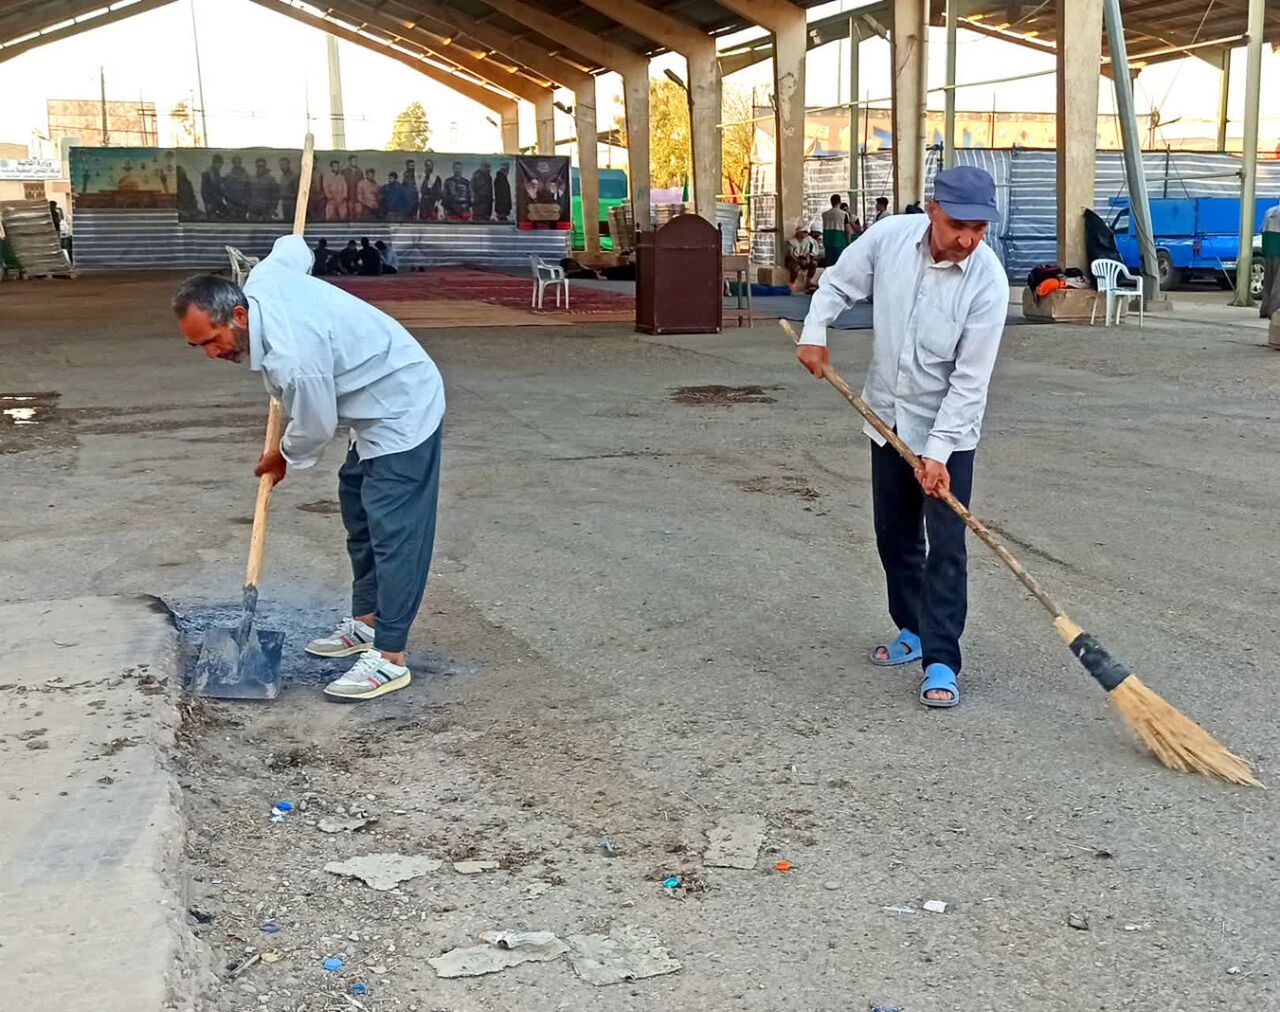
x: 1108, y: 671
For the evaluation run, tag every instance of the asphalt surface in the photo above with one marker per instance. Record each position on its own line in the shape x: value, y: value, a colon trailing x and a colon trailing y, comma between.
x: 701, y: 587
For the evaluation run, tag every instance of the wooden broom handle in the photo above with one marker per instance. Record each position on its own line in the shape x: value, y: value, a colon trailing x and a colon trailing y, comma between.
x: 973, y: 523
x: 275, y: 413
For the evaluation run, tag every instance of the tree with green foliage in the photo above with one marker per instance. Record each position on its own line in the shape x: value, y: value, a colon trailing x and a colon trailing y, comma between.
x: 411, y: 131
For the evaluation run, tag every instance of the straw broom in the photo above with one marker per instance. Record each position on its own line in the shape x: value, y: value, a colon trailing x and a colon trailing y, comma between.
x: 1176, y: 741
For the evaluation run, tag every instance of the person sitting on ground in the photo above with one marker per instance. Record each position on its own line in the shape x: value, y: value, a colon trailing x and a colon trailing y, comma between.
x: 800, y: 263
x: 349, y: 258
x: 370, y: 260
x: 815, y: 244
x: 337, y: 364
x: 324, y: 260
x: 390, y: 262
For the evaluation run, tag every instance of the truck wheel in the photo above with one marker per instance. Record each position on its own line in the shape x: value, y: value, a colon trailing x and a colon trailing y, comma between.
x: 1170, y: 276
x: 1257, y: 275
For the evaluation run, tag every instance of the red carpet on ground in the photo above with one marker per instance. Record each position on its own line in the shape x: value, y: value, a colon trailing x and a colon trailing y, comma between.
x: 479, y: 286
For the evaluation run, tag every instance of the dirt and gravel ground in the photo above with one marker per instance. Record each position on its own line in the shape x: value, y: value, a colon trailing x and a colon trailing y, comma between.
x: 650, y: 608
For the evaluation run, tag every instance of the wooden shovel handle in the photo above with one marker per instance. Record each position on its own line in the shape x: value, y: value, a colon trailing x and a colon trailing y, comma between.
x: 258, y: 540
x: 1065, y: 626
x: 275, y: 413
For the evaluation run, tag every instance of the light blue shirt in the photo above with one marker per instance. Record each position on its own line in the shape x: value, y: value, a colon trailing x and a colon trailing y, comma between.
x: 937, y: 331
x: 334, y: 360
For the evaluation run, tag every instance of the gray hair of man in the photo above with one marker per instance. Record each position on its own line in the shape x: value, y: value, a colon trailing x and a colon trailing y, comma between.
x: 214, y: 295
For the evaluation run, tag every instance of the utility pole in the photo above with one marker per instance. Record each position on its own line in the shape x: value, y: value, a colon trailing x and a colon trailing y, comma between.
x: 949, y: 116
x: 195, y: 39
x: 335, y: 95
x: 1249, y: 153
x: 102, y: 81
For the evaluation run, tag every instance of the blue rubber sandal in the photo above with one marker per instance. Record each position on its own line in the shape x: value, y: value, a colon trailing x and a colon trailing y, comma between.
x: 939, y: 676
x: 902, y: 649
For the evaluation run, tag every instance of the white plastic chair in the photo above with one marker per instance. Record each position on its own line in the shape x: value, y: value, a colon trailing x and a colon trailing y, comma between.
x: 545, y: 274
x: 241, y: 265
x: 1107, y: 274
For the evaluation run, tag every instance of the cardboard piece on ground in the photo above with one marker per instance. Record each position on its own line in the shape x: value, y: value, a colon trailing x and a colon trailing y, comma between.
x: 517, y: 948
x: 626, y: 953
x: 734, y: 842
x: 383, y: 871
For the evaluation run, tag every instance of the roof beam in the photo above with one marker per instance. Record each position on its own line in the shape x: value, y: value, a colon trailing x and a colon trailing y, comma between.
x: 33, y: 24
x: 593, y: 47
x: 504, y: 105
x: 520, y: 50
x: 420, y: 38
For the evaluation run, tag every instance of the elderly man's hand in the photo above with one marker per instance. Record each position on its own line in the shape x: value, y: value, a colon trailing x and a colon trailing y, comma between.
x: 272, y: 463
x: 814, y: 357
x: 933, y: 476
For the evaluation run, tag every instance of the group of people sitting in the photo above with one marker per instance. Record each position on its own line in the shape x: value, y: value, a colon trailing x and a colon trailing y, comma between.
x: 820, y: 244
x: 368, y: 259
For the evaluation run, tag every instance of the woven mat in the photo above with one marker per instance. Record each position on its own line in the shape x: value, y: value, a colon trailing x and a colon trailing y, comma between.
x: 470, y: 284
x: 428, y: 313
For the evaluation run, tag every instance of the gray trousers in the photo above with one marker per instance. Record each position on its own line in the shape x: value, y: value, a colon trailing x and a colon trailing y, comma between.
x: 389, y: 511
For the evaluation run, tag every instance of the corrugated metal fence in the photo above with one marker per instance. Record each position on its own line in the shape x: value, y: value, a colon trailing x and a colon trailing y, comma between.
x: 1026, y: 192
x: 131, y: 240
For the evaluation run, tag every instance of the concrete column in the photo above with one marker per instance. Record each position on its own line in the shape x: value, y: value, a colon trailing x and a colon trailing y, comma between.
x: 1249, y: 156
x: 510, y: 129
x: 949, y: 117
x: 704, y: 119
x: 790, y: 48
x: 909, y: 61
x: 544, y: 110
x: 1224, y: 92
x: 584, y: 118
x: 635, y: 91
x: 1079, y: 56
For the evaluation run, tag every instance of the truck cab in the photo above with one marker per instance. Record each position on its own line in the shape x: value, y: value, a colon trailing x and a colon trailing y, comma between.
x: 1195, y: 237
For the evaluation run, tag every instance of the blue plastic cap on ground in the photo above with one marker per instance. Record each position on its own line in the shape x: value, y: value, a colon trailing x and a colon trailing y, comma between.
x: 672, y: 883
x: 285, y: 806
x: 333, y: 963
x: 358, y: 988
x: 270, y: 927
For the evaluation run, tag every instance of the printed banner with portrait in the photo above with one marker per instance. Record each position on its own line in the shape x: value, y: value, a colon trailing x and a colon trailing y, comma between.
x: 261, y: 184
x: 542, y: 192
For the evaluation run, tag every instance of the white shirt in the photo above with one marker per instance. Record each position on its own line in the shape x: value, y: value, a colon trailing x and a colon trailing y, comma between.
x: 937, y: 331
x: 334, y: 360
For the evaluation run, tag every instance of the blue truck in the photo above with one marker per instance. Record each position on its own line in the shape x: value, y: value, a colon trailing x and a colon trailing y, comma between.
x: 1196, y: 237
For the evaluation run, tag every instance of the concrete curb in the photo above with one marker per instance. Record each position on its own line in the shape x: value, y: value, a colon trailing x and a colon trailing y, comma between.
x: 92, y: 895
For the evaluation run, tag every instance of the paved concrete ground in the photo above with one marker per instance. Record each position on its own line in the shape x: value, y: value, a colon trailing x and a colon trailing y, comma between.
x: 669, y: 607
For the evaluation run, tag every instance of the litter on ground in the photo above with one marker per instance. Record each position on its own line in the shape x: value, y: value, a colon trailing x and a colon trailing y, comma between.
x: 384, y: 871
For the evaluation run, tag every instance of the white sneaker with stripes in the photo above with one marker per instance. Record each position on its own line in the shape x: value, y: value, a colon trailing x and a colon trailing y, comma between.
x: 350, y: 637
x: 371, y: 676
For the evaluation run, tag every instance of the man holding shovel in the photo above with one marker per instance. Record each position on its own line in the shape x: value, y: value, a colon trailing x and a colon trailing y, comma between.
x: 336, y: 361
x: 941, y: 297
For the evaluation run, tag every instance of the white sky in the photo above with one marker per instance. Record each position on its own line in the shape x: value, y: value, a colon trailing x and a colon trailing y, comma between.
x: 261, y: 69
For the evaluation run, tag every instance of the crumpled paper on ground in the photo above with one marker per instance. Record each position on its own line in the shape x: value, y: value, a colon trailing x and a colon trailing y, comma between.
x: 626, y: 953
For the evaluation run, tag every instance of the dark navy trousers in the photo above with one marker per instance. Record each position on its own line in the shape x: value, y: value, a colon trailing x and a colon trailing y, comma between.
x: 389, y: 511
x: 927, y: 579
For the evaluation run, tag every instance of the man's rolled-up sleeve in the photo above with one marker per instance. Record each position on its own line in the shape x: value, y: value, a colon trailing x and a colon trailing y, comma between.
x: 962, y: 407
x: 846, y: 282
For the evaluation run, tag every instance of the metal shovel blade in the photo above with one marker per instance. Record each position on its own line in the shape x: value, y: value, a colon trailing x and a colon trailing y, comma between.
x: 226, y: 670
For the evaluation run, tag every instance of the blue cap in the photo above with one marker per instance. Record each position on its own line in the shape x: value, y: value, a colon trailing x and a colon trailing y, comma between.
x: 967, y: 193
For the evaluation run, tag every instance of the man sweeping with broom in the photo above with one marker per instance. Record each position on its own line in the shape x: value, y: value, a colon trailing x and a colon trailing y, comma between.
x: 940, y: 297
x: 337, y: 362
